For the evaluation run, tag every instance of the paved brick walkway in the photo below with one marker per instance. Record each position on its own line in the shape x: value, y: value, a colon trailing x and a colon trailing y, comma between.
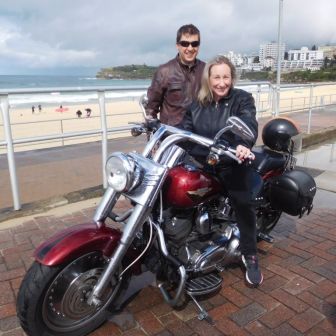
x: 298, y: 296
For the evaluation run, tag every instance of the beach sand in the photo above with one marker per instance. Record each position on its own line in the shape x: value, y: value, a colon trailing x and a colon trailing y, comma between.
x: 49, y: 121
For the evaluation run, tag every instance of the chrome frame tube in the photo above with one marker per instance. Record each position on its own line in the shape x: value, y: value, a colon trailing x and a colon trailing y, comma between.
x: 175, y: 138
x: 182, y: 271
x: 105, y: 206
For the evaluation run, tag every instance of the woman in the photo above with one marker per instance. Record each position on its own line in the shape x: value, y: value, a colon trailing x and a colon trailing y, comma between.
x: 217, y: 101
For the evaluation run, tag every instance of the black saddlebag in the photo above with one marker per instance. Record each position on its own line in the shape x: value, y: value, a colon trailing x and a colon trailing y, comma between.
x: 292, y: 192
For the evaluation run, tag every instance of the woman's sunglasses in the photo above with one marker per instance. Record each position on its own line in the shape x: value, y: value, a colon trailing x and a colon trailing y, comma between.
x: 186, y: 44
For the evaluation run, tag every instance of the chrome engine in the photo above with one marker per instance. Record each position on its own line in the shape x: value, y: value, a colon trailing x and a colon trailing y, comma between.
x: 220, y: 249
x: 205, y: 240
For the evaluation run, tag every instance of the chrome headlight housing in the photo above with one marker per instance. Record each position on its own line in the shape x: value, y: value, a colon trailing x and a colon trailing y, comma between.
x: 122, y: 172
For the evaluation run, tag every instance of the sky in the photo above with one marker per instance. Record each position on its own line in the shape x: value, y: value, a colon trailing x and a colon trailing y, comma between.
x: 82, y: 36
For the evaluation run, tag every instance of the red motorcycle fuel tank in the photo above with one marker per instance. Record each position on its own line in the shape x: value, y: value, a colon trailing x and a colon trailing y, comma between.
x: 188, y: 186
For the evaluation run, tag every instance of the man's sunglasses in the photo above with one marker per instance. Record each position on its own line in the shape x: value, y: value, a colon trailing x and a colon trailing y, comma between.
x: 186, y: 44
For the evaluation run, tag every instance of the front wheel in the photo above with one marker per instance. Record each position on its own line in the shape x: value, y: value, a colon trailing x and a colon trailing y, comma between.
x: 52, y: 301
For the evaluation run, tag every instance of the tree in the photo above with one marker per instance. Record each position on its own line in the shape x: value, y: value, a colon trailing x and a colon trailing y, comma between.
x: 314, y: 47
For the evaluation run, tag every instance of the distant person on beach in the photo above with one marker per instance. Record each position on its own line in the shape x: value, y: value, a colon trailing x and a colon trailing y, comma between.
x: 39, y: 107
x: 88, y: 112
x: 176, y: 83
x: 79, y: 113
x: 33, y: 109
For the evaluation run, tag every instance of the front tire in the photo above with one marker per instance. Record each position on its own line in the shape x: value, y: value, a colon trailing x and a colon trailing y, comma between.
x: 52, y: 300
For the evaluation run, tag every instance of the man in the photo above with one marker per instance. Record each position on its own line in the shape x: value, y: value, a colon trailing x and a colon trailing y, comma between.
x: 176, y: 83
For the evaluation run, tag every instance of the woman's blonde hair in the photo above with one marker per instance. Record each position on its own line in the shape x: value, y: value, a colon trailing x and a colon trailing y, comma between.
x: 205, y: 95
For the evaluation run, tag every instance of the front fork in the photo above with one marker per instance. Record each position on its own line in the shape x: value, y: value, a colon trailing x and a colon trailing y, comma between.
x: 134, y: 223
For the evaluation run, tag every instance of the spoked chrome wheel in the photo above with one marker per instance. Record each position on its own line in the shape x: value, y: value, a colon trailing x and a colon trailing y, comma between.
x: 65, y: 307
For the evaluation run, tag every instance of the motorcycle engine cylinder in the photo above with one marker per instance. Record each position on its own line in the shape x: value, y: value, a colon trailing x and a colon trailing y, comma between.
x: 203, y: 223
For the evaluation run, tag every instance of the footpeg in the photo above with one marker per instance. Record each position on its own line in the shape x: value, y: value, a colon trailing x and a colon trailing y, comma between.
x: 266, y: 237
x: 203, y: 285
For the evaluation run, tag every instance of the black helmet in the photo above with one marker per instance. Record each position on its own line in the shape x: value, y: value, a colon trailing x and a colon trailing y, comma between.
x: 278, y: 133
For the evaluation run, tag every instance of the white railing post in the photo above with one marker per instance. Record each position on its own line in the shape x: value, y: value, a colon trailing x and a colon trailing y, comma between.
x: 275, y: 111
x: 10, y: 152
x: 101, y: 100
x: 310, y: 107
x: 258, y: 100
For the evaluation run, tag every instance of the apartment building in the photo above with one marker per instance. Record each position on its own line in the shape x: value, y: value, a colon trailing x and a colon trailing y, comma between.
x: 268, y: 50
x: 303, y: 59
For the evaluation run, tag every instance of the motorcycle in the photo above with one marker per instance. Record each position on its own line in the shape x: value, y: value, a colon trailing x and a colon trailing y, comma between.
x: 178, y: 231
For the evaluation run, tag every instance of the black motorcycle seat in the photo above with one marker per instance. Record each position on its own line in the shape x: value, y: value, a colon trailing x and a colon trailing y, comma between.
x: 267, y: 159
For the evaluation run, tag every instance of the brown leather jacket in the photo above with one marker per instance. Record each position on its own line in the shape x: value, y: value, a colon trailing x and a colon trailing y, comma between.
x: 174, y: 87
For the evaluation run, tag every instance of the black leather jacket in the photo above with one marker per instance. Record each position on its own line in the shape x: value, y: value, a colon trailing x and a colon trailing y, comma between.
x: 173, y: 88
x: 208, y: 120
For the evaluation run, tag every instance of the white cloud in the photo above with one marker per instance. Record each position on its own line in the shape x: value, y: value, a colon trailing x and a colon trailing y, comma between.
x: 46, y: 33
x: 23, y: 48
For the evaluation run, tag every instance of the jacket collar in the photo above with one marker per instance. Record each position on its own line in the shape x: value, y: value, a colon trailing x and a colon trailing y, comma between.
x: 185, y: 66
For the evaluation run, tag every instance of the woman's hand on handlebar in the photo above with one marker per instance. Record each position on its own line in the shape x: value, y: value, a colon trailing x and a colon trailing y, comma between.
x: 243, y: 153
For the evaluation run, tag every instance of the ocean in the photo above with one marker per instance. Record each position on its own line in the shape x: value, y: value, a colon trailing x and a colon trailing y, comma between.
x: 34, y: 82
x: 13, y: 82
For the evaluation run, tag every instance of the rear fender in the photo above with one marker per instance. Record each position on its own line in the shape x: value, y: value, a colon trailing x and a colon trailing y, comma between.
x: 75, y: 241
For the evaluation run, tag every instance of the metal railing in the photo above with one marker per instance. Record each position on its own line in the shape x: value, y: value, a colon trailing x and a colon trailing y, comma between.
x: 264, y: 94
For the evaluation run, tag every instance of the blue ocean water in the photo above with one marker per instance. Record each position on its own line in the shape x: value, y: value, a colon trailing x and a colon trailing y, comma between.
x: 29, y: 82
x: 13, y: 82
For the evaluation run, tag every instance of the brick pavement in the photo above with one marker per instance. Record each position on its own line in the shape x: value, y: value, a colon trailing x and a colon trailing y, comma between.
x: 298, y: 296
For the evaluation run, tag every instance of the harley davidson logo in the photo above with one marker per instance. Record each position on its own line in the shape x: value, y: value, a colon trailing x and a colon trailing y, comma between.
x: 199, y: 192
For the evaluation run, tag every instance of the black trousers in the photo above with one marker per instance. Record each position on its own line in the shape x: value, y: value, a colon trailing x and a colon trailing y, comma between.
x: 242, y: 183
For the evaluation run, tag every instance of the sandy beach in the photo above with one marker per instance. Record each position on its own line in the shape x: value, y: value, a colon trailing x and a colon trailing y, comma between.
x: 50, y: 121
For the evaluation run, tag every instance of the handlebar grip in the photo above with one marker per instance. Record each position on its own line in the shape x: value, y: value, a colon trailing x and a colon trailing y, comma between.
x: 136, y: 131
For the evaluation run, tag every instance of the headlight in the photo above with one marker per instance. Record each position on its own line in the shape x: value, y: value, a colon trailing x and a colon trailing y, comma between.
x: 120, y: 172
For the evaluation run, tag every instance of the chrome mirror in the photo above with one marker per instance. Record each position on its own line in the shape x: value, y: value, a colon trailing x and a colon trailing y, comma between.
x: 236, y: 126
x: 239, y: 128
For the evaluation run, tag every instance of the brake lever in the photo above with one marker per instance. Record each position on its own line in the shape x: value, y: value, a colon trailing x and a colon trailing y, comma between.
x: 221, y: 150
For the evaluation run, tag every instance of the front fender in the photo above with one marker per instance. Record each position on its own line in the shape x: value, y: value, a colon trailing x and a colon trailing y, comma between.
x: 75, y: 241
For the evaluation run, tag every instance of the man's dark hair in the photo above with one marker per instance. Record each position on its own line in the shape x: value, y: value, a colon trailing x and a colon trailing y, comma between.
x: 187, y: 29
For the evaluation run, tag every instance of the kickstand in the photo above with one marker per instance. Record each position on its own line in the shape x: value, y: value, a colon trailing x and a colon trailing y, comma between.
x: 203, y: 315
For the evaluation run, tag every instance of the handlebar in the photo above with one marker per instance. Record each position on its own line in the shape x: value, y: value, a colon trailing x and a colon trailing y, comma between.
x: 219, y: 150
x: 150, y: 126
x: 169, y: 135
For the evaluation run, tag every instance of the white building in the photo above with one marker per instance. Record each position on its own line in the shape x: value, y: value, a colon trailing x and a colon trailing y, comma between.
x: 268, y: 62
x: 303, y: 59
x: 236, y: 59
x: 313, y: 64
x: 304, y: 54
x: 271, y: 50
x: 252, y: 67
